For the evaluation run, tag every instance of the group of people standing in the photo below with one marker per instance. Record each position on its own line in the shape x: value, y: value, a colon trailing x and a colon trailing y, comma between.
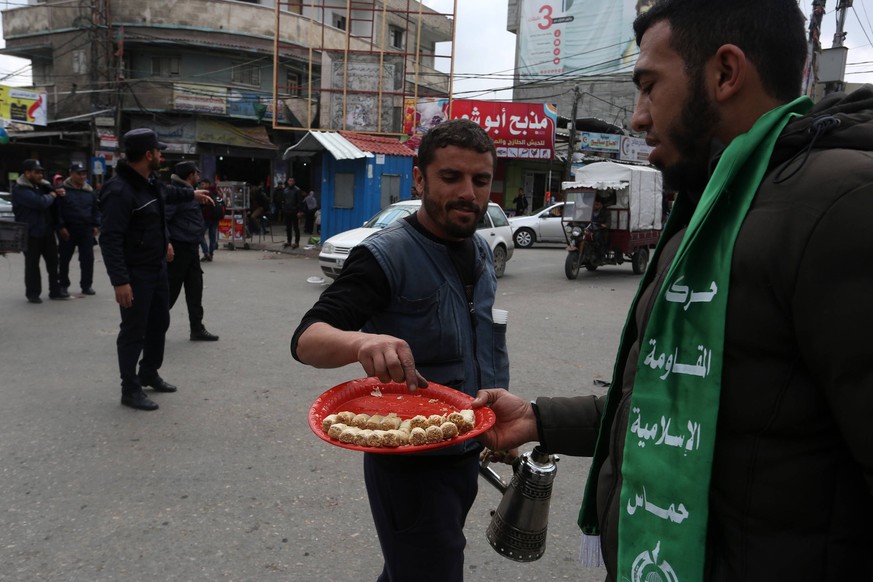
x: 60, y: 220
x: 150, y: 235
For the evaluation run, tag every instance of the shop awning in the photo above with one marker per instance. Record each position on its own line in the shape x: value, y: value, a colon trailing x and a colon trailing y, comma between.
x: 315, y: 142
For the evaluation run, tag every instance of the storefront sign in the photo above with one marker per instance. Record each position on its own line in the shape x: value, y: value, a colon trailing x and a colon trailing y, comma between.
x: 200, y: 98
x: 599, y: 142
x: 519, y: 130
x: 23, y: 106
x: 634, y: 149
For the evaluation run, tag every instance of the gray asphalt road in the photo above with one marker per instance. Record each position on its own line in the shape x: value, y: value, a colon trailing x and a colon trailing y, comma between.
x: 226, y: 481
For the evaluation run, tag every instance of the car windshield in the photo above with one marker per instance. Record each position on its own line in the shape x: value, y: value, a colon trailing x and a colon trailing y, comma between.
x: 388, y: 215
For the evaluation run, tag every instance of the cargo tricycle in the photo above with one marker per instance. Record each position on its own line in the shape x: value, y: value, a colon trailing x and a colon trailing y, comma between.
x: 627, y: 220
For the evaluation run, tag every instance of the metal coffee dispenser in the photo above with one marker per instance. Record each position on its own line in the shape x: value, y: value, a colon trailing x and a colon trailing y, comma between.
x: 518, y: 527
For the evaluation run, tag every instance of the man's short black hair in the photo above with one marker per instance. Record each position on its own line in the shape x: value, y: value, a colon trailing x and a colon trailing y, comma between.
x: 770, y: 32
x: 461, y: 133
x: 185, y: 169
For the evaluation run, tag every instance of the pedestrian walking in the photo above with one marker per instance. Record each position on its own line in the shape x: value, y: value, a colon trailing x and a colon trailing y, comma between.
x: 212, y: 215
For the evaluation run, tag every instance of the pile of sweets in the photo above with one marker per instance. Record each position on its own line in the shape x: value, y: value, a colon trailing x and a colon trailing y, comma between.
x: 392, y: 431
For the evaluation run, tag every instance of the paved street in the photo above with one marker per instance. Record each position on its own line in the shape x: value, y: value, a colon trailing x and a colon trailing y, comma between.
x: 226, y: 481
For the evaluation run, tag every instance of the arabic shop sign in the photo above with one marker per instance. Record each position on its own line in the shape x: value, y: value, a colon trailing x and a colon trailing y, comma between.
x: 518, y: 130
x: 599, y: 142
x: 200, y: 98
x: 634, y: 149
x: 23, y: 106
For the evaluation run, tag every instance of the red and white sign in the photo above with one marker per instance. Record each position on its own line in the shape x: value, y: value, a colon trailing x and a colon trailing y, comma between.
x: 519, y: 130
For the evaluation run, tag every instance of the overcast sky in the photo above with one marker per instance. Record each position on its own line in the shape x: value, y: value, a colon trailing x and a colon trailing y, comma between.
x: 485, y: 52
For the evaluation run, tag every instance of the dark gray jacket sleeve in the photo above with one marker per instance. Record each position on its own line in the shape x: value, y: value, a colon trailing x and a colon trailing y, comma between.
x: 569, y: 425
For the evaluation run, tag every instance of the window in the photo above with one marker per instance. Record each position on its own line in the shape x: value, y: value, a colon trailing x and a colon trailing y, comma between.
x: 246, y: 74
x: 344, y: 195
x: 293, y: 83
x: 165, y: 66
x: 80, y: 62
x: 396, y: 37
x: 339, y: 21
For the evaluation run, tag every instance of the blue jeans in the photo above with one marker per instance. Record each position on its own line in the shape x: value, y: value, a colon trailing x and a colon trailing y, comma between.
x: 210, y: 241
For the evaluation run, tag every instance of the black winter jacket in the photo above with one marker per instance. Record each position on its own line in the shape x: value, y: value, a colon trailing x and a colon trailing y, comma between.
x: 78, y: 207
x: 292, y: 200
x: 32, y: 203
x: 792, y: 479
x: 185, y: 222
x: 133, y: 228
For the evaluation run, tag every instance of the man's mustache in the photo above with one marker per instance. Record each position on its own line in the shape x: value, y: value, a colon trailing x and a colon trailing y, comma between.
x: 466, y: 206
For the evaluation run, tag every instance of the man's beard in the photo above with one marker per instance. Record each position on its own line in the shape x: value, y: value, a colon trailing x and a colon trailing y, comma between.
x: 440, y: 215
x: 692, y: 138
x: 155, y: 164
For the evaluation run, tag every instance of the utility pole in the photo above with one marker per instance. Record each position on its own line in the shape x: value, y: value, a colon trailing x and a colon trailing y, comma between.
x: 810, y: 77
x: 568, y: 164
x: 839, y: 37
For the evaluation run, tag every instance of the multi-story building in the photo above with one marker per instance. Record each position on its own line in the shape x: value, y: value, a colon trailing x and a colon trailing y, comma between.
x: 224, y: 82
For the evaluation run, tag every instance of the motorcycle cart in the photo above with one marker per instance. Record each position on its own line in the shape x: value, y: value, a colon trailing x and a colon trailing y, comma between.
x: 631, y: 197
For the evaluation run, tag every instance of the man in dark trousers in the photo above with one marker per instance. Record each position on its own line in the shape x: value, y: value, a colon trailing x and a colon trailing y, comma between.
x: 32, y: 201
x: 134, y: 243
x: 292, y: 208
x: 186, y: 227
x: 78, y: 225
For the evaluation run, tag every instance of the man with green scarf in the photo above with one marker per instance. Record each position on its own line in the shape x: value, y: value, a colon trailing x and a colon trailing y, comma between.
x: 734, y: 441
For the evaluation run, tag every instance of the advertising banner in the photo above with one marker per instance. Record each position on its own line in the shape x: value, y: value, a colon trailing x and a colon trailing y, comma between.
x: 579, y: 37
x: 519, y: 130
x: 200, y: 98
x: 23, y: 106
x: 247, y: 103
x: 634, y: 149
x: 231, y: 229
x: 599, y: 142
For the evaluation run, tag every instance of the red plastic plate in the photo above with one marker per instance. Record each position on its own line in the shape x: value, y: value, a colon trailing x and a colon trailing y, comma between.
x: 359, y: 396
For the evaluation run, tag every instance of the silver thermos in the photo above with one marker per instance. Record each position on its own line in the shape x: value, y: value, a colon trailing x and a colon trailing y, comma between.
x: 518, y: 527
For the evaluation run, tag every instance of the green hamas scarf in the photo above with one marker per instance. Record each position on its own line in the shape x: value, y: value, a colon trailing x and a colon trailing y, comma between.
x: 671, y: 431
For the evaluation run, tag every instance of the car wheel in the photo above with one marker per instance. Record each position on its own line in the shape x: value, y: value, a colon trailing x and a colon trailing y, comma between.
x: 499, y: 261
x: 524, y: 238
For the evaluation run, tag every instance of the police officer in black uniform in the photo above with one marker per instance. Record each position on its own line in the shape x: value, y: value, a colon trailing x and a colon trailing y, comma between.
x: 134, y: 244
x: 186, y: 227
x: 78, y: 225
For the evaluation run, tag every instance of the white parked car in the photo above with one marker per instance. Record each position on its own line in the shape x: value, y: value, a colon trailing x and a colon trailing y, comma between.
x: 544, y: 225
x: 494, y: 227
x: 6, y: 206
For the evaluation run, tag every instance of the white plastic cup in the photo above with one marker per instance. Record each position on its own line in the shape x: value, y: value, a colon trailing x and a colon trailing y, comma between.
x: 500, y: 316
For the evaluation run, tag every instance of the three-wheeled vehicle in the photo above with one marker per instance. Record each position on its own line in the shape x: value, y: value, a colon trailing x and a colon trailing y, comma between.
x: 631, y: 212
